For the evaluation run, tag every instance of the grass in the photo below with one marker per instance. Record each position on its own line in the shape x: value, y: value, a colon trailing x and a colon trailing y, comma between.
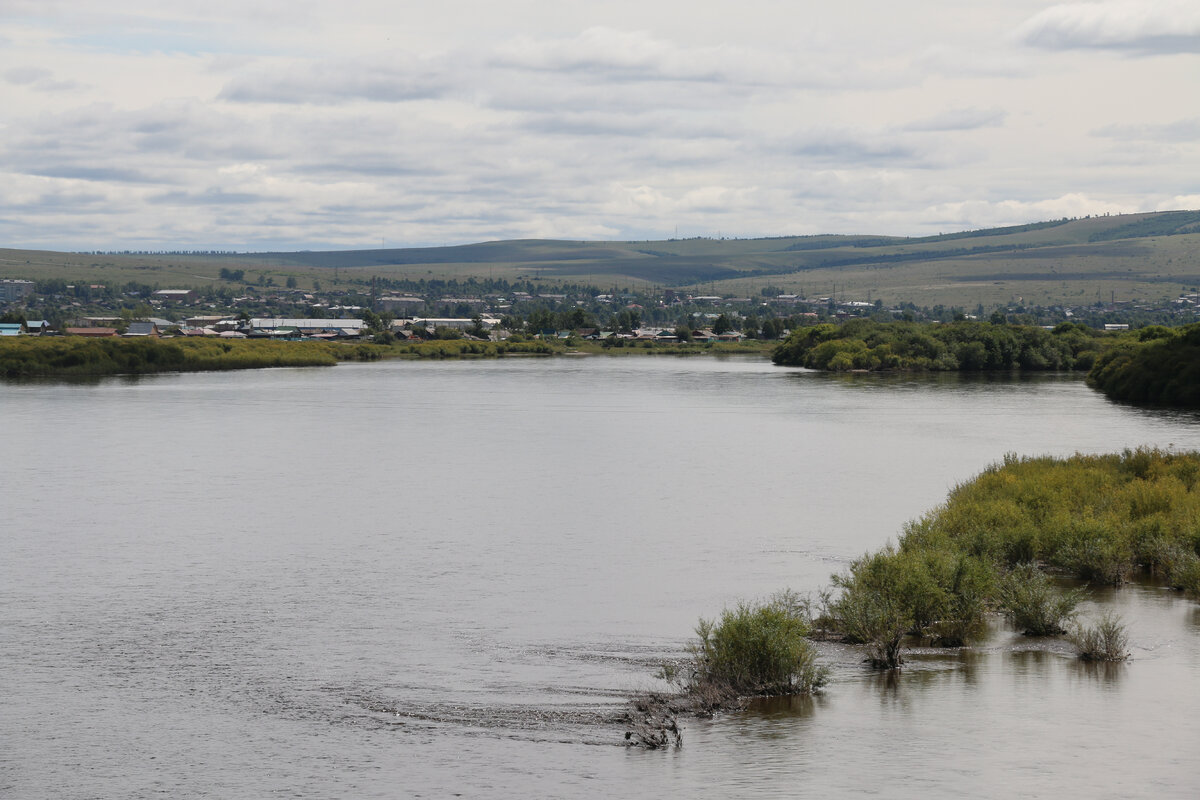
x: 1106, y: 640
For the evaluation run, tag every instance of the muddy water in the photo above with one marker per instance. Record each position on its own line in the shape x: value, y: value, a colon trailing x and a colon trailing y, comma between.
x: 418, y: 579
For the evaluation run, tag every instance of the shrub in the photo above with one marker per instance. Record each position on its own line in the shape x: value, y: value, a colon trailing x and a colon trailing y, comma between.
x: 1034, y: 606
x: 873, y: 609
x: 1104, y: 641
x: 757, y: 649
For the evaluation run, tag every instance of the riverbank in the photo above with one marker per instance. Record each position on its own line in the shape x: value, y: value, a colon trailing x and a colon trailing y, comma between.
x: 79, y: 357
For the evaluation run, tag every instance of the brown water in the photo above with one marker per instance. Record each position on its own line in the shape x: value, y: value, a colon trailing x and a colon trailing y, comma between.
x: 419, y: 579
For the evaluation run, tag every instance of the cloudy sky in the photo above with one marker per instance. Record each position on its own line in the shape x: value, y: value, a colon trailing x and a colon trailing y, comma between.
x: 261, y: 124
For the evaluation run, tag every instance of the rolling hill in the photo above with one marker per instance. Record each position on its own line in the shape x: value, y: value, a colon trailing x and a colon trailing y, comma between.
x: 1132, y: 257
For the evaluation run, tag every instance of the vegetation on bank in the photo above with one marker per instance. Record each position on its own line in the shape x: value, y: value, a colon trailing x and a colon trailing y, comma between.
x: 993, y: 547
x: 1099, y: 519
x: 77, y: 356
x: 864, y: 344
x: 1160, y: 367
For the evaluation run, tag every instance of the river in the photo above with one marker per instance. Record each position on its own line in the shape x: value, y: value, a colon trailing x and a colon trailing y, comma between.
x: 424, y: 579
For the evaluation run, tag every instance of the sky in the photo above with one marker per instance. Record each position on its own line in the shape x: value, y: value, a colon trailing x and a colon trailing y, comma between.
x: 257, y: 125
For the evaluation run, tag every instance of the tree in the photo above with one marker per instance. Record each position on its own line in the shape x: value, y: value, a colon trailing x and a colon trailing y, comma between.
x: 478, y: 329
x: 372, y: 320
x: 721, y: 325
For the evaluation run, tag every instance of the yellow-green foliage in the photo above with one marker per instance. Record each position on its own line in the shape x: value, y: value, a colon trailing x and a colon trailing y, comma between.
x: 67, y: 356
x: 1099, y: 518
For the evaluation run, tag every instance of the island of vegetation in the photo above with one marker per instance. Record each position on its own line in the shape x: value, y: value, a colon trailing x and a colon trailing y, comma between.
x: 865, y: 344
x: 1158, y: 367
x: 1096, y: 519
x: 1003, y: 543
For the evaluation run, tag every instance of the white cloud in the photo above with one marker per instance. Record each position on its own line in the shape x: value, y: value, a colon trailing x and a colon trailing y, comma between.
x: 242, y: 123
x: 966, y: 214
x: 1143, y: 27
x: 381, y: 79
x: 959, y: 119
x: 1183, y: 131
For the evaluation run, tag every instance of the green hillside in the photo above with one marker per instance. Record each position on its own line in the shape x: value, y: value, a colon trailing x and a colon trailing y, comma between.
x: 1128, y: 257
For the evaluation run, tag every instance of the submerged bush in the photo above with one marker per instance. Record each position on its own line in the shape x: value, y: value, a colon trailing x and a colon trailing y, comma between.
x: 1034, y: 606
x: 1104, y: 641
x: 757, y: 650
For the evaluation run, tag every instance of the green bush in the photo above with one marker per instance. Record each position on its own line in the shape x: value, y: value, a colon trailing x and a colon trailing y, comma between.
x: 1034, y: 606
x: 1104, y: 641
x: 757, y: 650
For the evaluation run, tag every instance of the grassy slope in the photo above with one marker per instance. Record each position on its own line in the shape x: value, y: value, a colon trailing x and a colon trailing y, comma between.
x: 1074, y: 262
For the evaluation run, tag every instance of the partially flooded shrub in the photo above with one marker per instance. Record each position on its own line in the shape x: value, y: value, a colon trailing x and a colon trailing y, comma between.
x: 758, y: 649
x: 1104, y: 641
x: 936, y: 594
x: 1099, y: 560
x: 872, y: 608
x: 1033, y: 605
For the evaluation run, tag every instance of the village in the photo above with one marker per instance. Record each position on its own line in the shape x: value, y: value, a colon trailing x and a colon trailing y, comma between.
x: 496, y: 312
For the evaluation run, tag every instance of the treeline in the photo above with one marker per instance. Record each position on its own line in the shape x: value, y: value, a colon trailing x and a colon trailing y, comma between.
x: 1160, y: 367
x: 1100, y: 519
x: 864, y: 344
x: 1170, y: 223
x: 76, y: 356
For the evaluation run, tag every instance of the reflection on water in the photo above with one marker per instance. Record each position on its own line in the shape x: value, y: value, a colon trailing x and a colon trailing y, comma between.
x: 1106, y: 673
x: 422, y: 579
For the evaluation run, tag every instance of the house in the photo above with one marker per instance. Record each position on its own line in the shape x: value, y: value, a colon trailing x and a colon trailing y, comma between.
x: 36, y: 327
x: 462, y: 323
x: 97, y: 322
x: 10, y: 329
x: 175, y: 295
x: 291, y: 328
x: 94, y: 332
x: 142, y: 329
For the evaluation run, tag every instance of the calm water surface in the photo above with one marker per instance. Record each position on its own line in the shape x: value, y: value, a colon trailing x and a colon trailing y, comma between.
x: 413, y: 579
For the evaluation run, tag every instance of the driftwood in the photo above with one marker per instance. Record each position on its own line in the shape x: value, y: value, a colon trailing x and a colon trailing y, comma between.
x: 652, y: 721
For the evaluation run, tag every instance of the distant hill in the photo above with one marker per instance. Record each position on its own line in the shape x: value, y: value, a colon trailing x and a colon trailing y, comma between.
x: 1125, y: 257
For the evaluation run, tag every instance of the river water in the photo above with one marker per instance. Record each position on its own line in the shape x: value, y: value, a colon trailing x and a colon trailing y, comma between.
x: 426, y: 579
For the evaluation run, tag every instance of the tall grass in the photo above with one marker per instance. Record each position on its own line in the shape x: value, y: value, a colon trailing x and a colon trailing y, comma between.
x: 1100, y: 518
x: 1106, y: 640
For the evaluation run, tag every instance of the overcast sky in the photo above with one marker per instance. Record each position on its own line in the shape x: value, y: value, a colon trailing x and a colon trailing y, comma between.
x: 261, y: 124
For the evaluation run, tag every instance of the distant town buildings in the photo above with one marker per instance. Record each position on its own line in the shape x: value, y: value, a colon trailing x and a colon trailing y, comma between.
x: 12, y: 290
